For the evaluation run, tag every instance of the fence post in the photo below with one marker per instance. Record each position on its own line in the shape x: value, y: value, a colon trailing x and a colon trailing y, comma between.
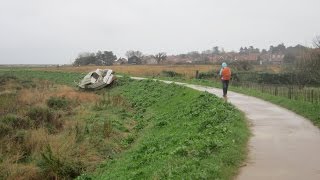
x: 276, y: 91
x: 312, y: 95
x: 289, y: 93
x: 197, y: 74
x: 305, y: 95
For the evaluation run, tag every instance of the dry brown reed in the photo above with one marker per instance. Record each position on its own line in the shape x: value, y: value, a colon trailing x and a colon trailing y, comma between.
x: 188, y: 71
x: 141, y: 70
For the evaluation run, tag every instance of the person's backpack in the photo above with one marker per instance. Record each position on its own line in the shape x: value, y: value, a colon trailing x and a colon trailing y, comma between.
x: 226, y: 73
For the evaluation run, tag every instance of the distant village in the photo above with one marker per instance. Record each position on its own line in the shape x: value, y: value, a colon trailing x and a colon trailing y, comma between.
x: 279, y: 54
x: 274, y: 55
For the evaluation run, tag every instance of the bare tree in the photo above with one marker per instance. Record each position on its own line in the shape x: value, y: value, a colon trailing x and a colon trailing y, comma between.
x: 215, y: 50
x: 162, y: 56
x: 131, y: 53
x: 306, y: 69
x: 316, y: 41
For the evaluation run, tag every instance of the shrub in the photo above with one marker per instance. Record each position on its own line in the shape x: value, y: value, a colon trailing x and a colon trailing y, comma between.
x: 27, y: 84
x: 17, y: 122
x: 43, y: 116
x: 6, y: 77
x: 170, y: 74
x: 57, y: 102
x: 5, y: 129
x: 9, y: 169
x: 20, y: 136
x: 242, y: 65
x: 207, y: 75
x: 54, y: 165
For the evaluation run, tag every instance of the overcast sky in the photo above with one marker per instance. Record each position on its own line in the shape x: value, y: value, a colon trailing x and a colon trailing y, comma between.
x: 55, y: 31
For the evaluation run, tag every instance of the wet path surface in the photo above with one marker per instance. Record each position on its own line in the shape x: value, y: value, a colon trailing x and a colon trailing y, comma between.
x: 283, y: 145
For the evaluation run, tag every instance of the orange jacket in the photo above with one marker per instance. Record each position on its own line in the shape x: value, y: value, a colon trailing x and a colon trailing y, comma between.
x: 226, y: 73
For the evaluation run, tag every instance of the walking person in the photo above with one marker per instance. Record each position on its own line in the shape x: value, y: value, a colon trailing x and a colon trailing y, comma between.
x: 225, y: 74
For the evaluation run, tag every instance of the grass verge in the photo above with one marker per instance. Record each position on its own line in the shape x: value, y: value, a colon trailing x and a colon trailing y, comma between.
x: 306, y: 109
x: 184, y: 134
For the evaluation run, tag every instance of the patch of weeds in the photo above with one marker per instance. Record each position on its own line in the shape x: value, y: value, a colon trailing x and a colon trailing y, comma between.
x: 181, y: 151
x: 5, y: 129
x: 170, y: 74
x: 20, y: 136
x: 162, y: 123
x: 57, y: 102
x: 27, y: 84
x: 107, y: 129
x: 17, y: 122
x: 141, y: 124
x: 102, y: 104
x: 6, y: 77
x: 8, y: 103
x: 54, y: 165
x: 128, y: 141
x: 43, y: 116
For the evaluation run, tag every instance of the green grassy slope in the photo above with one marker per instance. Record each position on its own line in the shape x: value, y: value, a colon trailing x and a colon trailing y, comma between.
x: 179, y: 132
x: 307, y: 109
x: 183, y: 134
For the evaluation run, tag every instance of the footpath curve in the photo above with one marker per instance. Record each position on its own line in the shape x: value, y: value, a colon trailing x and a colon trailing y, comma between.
x: 283, y: 145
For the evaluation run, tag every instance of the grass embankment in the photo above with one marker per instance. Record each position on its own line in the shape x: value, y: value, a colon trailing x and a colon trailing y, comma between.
x: 141, y: 129
x: 184, y: 134
x: 307, y: 109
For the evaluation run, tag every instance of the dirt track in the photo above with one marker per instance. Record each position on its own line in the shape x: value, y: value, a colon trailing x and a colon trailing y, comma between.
x: 283, y: 146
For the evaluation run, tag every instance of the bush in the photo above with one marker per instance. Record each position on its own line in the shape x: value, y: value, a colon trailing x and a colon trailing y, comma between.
x: 40, y: 115
x: 54, y: 166
x: 241, y: 65
x: 17, y: 122
x: 6, y: 77
x: 170, y: 74
x: 5, y: 129
x: 43, y: 116
x: 20, y: 136
x: 57, y: 102
x: 207, y: 75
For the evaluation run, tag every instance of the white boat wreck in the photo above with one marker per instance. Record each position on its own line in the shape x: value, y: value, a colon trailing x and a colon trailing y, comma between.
x: 97, y: 79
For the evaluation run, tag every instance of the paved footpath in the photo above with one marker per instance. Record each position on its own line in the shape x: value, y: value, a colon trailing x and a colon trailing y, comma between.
x: 283, y: 145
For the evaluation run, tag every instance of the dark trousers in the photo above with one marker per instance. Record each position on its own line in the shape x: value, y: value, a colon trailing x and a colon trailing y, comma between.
x: 225, y: 84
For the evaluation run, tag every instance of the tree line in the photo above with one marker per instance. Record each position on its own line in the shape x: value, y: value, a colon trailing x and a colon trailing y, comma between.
x: 107, y: 58
x: 99, y: 58
x: 290, y: 55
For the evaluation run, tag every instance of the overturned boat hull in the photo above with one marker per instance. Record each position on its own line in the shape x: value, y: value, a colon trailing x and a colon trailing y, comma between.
x: 98, y: 79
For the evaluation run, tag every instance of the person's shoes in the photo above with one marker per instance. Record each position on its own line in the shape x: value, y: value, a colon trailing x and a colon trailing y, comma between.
x: 225, y: 97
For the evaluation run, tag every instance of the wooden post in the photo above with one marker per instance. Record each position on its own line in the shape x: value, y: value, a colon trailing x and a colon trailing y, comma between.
x: 289, y: 93
x: 305, y: 95
x: 197, y: 74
